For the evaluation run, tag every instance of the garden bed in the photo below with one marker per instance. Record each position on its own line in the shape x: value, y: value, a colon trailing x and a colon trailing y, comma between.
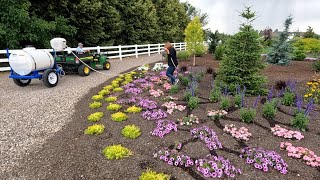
x: 71, y: 154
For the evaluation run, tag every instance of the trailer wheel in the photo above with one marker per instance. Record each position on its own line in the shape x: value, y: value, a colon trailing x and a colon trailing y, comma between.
x: 83, y: 70
x: 22, y: 82
x: 106, y: 65
x: 50, y: 78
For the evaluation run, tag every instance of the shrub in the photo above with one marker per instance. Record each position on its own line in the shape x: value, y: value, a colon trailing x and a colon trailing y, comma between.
x: 225, y: 103
x: 115, y: 85
x: 94, y: 129
x: 269, y: 110
x: 183, y: 55
x: 308, y: 45
x: 97, y: 97
x: 237, y: 100
x: 299, y: 55
x: 316, y: 66
x: 300, y: 121
x: 215, y: 95
x: 111, y: 99
x: 184, y: 80
x: 95, y: 105
x: 280, y: 84
x: 187, y: 95
x: 115, y: 82
x: 104, y: 92
x: 119, y: 116
x: 116, y: 152
x: 219, y: 52
x: 193, y: 102
x: 288, y: 98
x: 152, y: 175
x: 109, y: 87
x: 94, y: 117
x: 174, y: 89
x: 118, y: 89
x: 247, y: 115
x: 133, y: 109
x: 113, y: 107
x: 200, y: 51
x: 131, y: 131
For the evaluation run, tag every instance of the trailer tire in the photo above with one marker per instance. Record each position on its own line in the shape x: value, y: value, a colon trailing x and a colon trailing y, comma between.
x: 50, y: 78
x: 106, y: 65
x: 22, y: 82
x: 83, y: 70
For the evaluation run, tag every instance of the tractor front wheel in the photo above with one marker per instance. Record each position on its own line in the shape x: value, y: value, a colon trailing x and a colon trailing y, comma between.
x: 106, y: 65
x: 50, y: 78
x: 22, y: 82
x: 83, y: 70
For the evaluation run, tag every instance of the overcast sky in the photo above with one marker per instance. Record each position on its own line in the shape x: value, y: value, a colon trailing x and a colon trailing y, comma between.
x: 224, y: 17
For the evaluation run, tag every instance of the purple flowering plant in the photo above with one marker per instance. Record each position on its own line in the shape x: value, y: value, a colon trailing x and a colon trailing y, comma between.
x: 133, y: 90
x: 164, y: 127
x: 129, y: 85
x: 264, y: 160
x: 154, y: 114
x: 140, y: 80
x: 129, y: 101
x: 207, y: 135
x: 148, y: 104
x: 174, y: 158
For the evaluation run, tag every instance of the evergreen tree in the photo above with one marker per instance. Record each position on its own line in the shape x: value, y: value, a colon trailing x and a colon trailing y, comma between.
x: 241, y: 64
x: 310, y: 33
x: 214, y: 41
x: 280, y: 51
x: 194, y: 37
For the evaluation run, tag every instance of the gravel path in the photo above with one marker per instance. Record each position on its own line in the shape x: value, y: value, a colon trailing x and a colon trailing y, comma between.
x: 31, y: 115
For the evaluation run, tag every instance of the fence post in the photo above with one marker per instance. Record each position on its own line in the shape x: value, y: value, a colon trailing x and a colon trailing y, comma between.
x: 180, y: 46
x: 185, y: 46
x: 159, y: 48
x: 98, y: 49
x: 136, y: 48
x: 148, y: 49
x: 120, y: 53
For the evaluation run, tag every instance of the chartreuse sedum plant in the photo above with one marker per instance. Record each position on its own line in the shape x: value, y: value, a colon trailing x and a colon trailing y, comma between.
x: 94, y: 117
x: 152, y: 175
x: 133, y: 109
x: 95, y: 129
x: 118, y: 89
x: 95, y: 105
x: 111, y: 99
x: 108, y: 87
x: 116, y: 152
x: 119, y: 117
x: 113, y: 107
x: 104, y: 92
x: 97, y: 97
x: 131, y: 131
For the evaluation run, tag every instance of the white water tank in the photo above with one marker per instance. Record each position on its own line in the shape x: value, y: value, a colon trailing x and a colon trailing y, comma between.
x: 24, y: 61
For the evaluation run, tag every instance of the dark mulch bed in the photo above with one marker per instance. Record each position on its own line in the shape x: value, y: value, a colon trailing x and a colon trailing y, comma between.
x: 72, y: 155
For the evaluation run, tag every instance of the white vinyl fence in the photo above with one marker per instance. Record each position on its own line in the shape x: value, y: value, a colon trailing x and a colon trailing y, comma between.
x: 113, y: 52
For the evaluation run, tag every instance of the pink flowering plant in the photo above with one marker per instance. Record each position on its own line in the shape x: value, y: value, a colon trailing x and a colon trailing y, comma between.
x: 189, y: 120
x: 148, y: 104
x: 309, y: 157
x: 217, y: 114
x: 171, y: 106
x: 240, y: 134
x: 264, y: 160
x: 170, y: 98
x: 207, y: 135
x: 166, y: 86
x: 156, y: 93
x: 216, y: 167
x: 174, y: 158
x: 164, y: 127
x: 288, y: 134
x: 154, y: 114
x: 147, y: 86
x: 155, y: 79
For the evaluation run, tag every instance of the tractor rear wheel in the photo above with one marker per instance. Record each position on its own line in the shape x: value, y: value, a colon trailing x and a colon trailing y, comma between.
x: 50, y: 78
x: 22, y: 82
x: 106, y: 65
x: 83, y: 70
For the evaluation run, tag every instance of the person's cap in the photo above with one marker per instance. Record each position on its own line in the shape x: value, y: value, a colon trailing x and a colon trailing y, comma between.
x: 80, y: 44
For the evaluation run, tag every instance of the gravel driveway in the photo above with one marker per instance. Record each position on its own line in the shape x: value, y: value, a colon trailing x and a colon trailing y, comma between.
x: 31, y: 115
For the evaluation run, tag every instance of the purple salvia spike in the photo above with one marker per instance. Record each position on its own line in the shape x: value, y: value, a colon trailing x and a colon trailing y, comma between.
x: 309, y: 107
x: 256, y: 101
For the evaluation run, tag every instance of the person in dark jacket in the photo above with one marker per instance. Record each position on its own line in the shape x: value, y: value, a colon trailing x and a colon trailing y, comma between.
x: 172, y: 62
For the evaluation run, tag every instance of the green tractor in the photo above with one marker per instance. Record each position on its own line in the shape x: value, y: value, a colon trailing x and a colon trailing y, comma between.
x: 70, y: 63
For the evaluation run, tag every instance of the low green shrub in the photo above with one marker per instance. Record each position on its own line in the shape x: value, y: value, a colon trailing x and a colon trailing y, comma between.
x: 269, y: 110
x: 187, y: 95
x: 94, y: 117
x: 119, y: 116
x: 225, y: 103
x: 94, y: 129
x: 247, y: 115
x: 131, y: 131
x: 152, y: 175
x: 183, y: 55
x: 215, y: 95
x: 118, y: 89
x: 316, y: 66
x: 300, y: 121
x: 116, y: 152
x: 111, y: 99
x: 115, y: 85
x: 299, y: 55
x: 174, y: 89
x: 237, y: 100
x: 109, y: 87
x: 113, y: 107
x: 184, y: 80
x: 288, y: 98
x: 104, y: 92
x: 193, y: 102
x: 199, y: 76
x: 133, y: 109
x: 97, y: 97
x: 95, y: 105
x: 200, y: 51
x: 219, y: 52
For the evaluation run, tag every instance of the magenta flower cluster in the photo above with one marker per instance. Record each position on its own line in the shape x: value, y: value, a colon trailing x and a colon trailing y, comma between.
x: 307, y: 155
x: 154, y: 114
x: 241, y: 133
x: 264, y: 160
x: 156, y: 93
x: 288, y: 134
x: 148, y: 104
x: 207, y: 135
x: 171, y: 106
x: 174, y: 158
x: 133, y: 90
x: 216, y: 167
x: 164, y: 127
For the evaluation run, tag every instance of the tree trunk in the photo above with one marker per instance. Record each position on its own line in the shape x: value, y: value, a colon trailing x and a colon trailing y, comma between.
x: 194, y: 59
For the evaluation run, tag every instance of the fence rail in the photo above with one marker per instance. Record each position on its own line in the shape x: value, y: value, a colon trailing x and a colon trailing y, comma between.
x: 113, y: 52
